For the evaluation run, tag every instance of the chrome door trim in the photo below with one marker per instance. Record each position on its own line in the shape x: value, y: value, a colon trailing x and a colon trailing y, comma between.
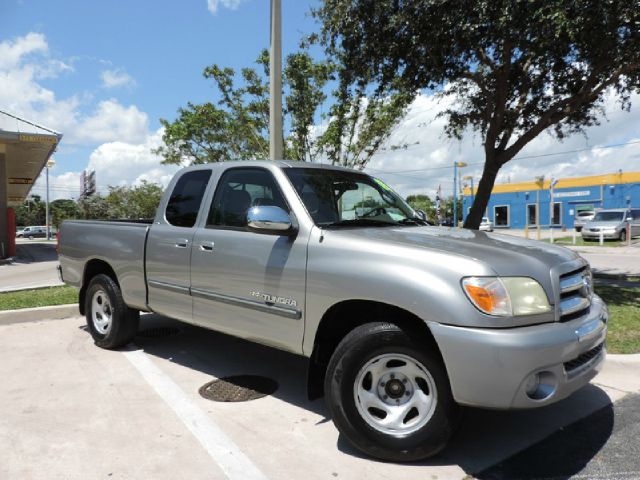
x: 252, y: 304
x: 171, y: 287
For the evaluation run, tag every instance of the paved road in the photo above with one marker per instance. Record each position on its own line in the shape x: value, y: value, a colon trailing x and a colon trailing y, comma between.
x: 136, y: 413
x: 34, y: 266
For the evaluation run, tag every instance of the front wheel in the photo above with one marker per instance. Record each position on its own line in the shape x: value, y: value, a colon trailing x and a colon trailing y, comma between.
x: 389, y: 395
x: 111, y: 322
x: 623, y: 235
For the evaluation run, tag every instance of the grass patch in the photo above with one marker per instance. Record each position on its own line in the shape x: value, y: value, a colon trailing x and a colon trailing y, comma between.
x: 40, y: 297
x: 624, y: 320
x: 580, y: 242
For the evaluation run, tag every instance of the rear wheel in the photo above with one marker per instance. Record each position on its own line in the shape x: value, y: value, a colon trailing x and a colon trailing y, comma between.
x: 111, y: 322
x: 389, y: 395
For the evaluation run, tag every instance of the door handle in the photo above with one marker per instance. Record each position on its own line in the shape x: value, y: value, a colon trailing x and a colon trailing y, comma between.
x: 207, y: 246
x: 182, y: 243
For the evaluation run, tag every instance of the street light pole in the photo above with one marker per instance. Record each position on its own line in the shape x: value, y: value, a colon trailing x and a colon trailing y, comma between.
x: 540, y: 183
x: 275, y: 84
x: 50, y: 163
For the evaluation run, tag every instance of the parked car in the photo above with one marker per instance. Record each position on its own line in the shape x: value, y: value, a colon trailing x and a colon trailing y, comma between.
x: 582, y: 218
x: 613, y: 224
x: 32, y: 232
x: 401, y: 323
x: 486, y: 225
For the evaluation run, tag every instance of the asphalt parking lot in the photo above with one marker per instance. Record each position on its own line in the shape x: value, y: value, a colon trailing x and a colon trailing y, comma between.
x: 71, y: 410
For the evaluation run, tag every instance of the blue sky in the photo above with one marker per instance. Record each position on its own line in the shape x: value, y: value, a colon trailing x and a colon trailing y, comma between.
x: 103, y: 73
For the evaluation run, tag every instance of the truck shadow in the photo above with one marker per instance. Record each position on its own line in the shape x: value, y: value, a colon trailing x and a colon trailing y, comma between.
x: 35, y: 251
x: 552, y: 442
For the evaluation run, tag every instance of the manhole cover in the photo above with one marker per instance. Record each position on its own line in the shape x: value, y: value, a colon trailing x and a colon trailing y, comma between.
x: 158, y: 332
x: 239, y: 388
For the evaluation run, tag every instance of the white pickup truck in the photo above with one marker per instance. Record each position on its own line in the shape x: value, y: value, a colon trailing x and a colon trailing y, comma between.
x: 401, y: 322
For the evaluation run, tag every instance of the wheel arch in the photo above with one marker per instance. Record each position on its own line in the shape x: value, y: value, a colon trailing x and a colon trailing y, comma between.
x: 343, y: 317
x: 93, y: 267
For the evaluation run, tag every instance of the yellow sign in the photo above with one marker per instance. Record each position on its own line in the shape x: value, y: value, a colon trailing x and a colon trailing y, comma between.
x: 20, y: 181
x: 38, y: 138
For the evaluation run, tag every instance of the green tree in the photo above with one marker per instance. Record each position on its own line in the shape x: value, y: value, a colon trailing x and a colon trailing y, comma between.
x: 31, y: 212
x: 236, y: 127
x: 63, y: 209
x: 137, y: 202
x: 424, y: 203
x: 515, y: 68
x: 93, y: 207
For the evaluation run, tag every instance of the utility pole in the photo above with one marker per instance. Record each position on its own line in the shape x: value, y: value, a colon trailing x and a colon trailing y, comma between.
x: 275, y: 84
x: 455, y: 190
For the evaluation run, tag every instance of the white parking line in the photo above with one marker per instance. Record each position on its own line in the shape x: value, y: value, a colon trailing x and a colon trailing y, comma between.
x: 234, y: 463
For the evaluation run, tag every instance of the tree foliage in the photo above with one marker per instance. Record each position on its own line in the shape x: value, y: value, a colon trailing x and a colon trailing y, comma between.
x: 236, y: 126
x: 515, y: 68
x: 137, y: 202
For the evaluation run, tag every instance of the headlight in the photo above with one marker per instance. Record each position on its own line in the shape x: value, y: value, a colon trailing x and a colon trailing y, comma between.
x: 506, y: 296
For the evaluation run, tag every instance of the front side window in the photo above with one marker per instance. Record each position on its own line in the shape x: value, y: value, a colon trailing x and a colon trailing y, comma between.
x: 238, y: 190
x: 184, y: 203
x: 337, y: 198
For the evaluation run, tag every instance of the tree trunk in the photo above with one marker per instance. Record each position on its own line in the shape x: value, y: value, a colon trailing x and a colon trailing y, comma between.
x: 481, y: 199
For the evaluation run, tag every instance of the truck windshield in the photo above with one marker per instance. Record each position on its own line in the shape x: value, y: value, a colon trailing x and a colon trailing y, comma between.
x: 336, y: 198
x: 608, y: 217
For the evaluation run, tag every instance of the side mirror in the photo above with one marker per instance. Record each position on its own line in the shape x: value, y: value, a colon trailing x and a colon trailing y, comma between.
x: 270, y: 220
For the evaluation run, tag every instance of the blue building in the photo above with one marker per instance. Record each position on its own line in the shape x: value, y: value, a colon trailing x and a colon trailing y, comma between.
x: 514, y: 205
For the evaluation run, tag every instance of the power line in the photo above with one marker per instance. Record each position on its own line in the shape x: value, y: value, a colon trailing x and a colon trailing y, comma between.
x: 525, y: 157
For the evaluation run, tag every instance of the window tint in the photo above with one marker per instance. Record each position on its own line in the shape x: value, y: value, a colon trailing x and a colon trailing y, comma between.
x: 240, y: 189
x: 184, y: 203
x: 635, y: 214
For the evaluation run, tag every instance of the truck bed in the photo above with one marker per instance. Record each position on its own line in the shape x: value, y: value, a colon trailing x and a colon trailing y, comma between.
x: 120, y: 244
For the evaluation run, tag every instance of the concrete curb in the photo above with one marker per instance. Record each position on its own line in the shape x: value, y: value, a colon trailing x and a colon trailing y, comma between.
x: 32, y: 287
x: 23, y: 315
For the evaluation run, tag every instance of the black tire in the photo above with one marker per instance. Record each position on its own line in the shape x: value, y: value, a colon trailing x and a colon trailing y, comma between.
x: 355, y: 351
x: 623, y: 235
x: 124, y: 321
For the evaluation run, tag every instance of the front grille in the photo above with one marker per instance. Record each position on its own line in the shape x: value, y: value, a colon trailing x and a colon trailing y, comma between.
x: 576, y: 288
x: 581, y: 360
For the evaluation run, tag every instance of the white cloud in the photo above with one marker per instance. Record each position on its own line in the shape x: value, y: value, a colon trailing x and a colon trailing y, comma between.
x: 435, y: 153
x: 112, y: 121
x: 24, y: 61
x: 116, y: 78
x: 12, y: 52
x: 121, y: 163
x: 213, y: 5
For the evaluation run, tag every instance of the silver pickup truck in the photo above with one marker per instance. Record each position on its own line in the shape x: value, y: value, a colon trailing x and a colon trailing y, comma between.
x: 401, y: 322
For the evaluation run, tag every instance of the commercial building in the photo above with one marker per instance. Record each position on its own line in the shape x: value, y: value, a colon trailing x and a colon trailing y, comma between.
x: 24, y: 152
x: 514, y: 205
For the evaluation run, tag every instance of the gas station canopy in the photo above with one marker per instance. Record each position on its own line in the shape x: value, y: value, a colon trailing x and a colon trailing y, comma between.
x: 26, y: 154
x: 25, y: 149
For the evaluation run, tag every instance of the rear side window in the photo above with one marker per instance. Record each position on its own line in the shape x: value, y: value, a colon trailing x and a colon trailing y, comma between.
x: 184, y: 203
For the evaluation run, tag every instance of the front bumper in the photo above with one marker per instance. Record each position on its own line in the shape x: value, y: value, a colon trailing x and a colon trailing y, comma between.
x: 608, y: 235
x: 491, y: 368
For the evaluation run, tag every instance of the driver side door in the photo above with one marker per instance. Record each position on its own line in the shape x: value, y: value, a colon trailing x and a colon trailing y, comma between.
x: 248, y: 284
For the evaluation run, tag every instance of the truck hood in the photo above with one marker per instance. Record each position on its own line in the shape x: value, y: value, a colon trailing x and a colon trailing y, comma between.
x: 506, y: 255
